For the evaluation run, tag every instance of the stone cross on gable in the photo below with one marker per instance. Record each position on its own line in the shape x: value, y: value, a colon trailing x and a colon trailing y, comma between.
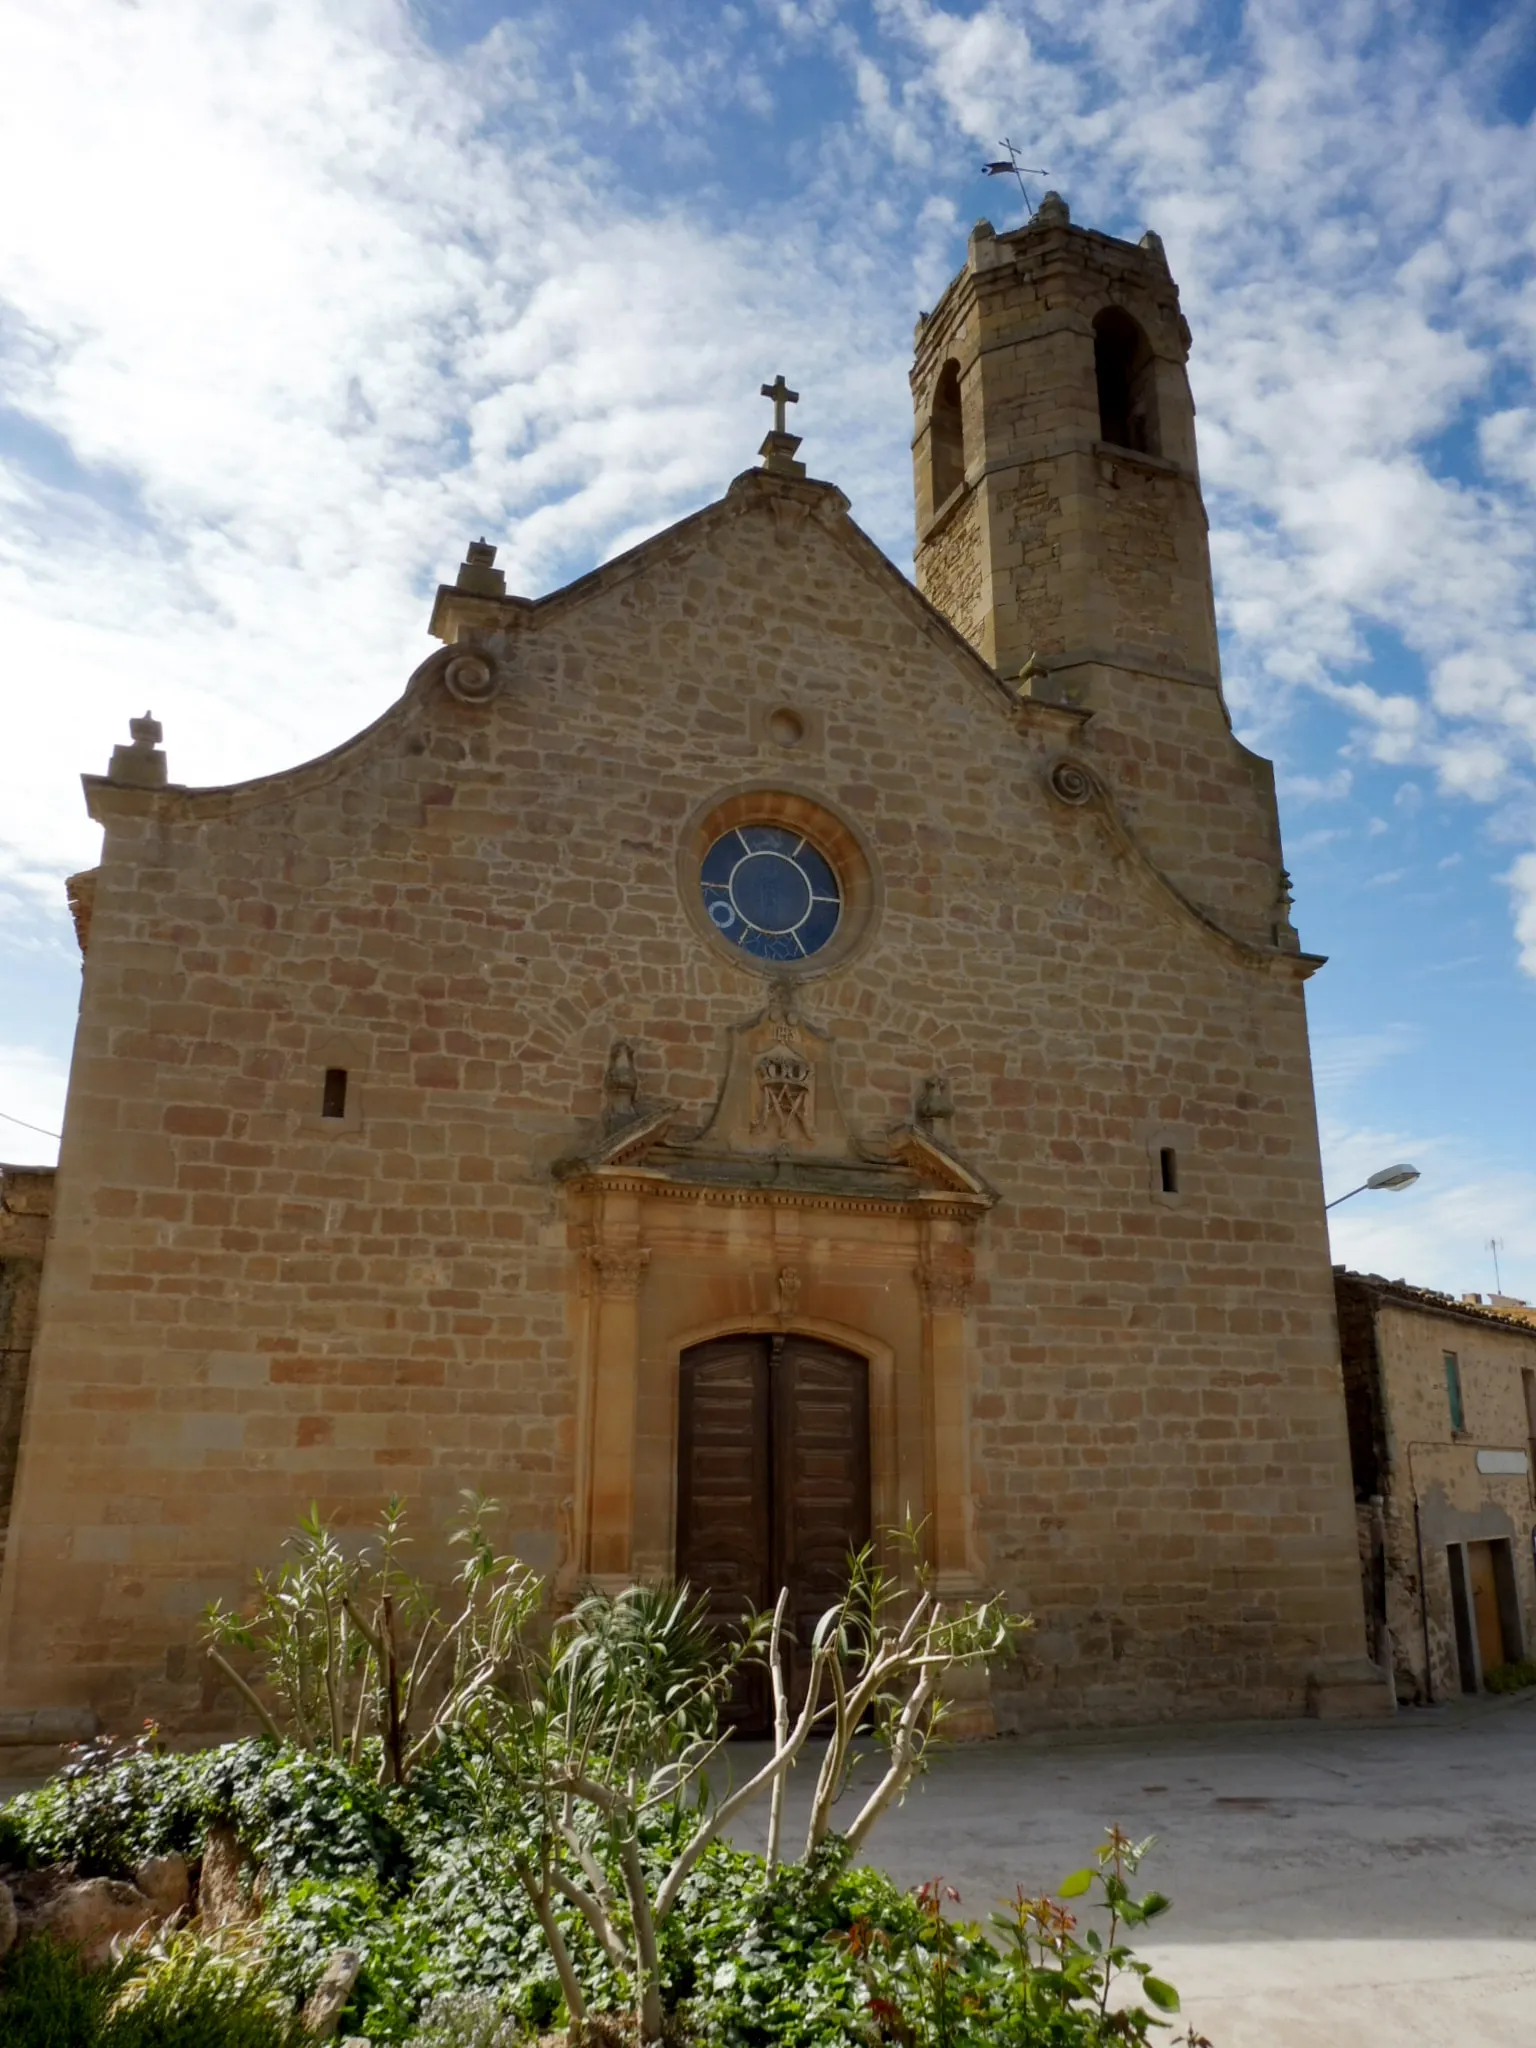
x: 778, y: 450
x: 782, y: 396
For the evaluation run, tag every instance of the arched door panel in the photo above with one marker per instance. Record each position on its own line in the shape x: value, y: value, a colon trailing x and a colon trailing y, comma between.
x: 773, y: 1482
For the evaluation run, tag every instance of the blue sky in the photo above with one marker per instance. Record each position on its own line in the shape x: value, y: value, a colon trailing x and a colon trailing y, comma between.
x: 319, y: 291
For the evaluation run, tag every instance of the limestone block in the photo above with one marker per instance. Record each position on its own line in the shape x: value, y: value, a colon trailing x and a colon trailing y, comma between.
x: 165, y: 1881
x: 328, y: 2001
x: 224, y: 1882
x: 94, y: 1913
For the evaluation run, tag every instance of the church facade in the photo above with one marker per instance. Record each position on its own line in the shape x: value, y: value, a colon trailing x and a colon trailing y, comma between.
x: 746, y: 1051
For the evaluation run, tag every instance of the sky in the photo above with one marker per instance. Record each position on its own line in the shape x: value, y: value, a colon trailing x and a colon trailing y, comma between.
x: 297, y: 297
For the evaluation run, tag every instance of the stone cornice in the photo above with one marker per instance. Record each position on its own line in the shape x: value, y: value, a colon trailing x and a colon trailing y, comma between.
x: 1101, y: 804
x: 949, y: 1205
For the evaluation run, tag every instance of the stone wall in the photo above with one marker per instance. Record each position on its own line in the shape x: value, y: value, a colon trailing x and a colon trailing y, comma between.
x: 1394, y: 1347
x: 955, y: 581
x: 26, y: 1205
x: 249, y: 1306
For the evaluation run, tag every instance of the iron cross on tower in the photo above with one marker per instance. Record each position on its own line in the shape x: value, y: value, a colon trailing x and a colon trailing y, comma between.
x: 778, y: 450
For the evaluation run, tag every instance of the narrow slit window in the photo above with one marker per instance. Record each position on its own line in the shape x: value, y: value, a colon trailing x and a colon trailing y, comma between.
x: 333, y: 1096
x: 1168, y: 1168
x: 1453, y: 1398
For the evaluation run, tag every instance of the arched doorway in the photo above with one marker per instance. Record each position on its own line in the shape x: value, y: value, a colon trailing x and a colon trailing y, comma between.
x: 773, y: 1479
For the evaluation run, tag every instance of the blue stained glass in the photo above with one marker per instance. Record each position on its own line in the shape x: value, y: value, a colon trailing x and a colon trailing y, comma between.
x: 769, y: 891
x: 769, y: 839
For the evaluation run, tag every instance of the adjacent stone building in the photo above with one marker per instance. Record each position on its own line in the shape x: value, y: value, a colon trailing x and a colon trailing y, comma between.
x: 744, y: 1050
x: 26, y: 1208
x: 1441, y: 1397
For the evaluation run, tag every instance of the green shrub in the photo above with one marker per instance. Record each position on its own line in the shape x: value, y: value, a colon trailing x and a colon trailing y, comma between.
x: 112, y: 1804
x: 186, y: 1995
x: 48, y: 2001
x: 819, y: 1955
x: 190, y: 1995
x: 1511, y: 1677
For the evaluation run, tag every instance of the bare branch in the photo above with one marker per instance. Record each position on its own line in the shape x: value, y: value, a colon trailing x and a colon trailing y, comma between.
x: 780, y: 1728
x: 245, y: 1692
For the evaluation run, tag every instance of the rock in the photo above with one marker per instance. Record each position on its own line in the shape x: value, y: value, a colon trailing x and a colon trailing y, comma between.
x: 328, y: 2000
x: 165, y: 1882
x: 93, y: 1913
x: 7, y: 1919
x: 223, y: 1887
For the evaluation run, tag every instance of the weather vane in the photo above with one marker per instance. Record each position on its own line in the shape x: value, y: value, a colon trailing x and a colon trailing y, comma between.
x: 1011, y: 167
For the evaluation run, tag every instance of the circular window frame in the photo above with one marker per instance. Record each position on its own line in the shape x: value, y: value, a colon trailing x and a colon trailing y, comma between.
x: 834, y: 837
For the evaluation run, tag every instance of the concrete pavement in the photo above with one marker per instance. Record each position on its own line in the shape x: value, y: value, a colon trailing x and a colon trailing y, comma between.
x: 1334, y: 1886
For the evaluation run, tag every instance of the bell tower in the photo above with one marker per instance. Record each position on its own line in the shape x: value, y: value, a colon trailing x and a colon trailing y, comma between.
x: 1058, y: 500
x: 1061, y: 529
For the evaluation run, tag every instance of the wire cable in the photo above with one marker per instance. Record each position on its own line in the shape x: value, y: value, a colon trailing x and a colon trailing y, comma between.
x: 6, y: 1117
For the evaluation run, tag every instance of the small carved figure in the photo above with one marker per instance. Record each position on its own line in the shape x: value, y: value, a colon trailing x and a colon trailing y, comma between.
x: 935, y: 1105
x: 621, y: 1084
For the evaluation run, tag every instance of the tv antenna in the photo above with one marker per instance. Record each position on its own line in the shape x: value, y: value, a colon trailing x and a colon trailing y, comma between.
x: 1496, y: 1245
x: 1010, y: 167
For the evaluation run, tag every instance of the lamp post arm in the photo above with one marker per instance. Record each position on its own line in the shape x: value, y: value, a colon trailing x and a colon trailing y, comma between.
x: 1344, y: 1198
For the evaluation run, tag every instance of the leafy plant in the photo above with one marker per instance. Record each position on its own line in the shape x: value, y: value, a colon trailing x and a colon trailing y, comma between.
x: 1041, y: 1983
x: 1511, y: 1677
x: 111, y: 1804
x: 1054, y: 1970
x: 597, y: 1748
x: 353, y: 1647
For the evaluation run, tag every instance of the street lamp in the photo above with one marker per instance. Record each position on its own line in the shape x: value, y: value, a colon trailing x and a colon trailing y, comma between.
x: 1393, y: 1177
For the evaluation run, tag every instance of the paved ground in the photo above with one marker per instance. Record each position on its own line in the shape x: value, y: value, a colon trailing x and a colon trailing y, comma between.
x: 1333, y: 1886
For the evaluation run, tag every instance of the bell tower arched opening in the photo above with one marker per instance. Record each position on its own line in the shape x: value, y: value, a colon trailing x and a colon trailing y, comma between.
x: 946, y: 435
x: 1125, y: 371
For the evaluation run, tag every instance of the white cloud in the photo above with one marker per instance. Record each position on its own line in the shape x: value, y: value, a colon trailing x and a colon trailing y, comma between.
x: 1521, y: 878
x: 1341, y: 1059
x: 1315, y: 789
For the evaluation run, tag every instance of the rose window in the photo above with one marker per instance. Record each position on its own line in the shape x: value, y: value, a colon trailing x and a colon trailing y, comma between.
x: 769, y: 891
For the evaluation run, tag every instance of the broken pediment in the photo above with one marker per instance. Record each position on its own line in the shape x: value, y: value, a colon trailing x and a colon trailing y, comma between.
x: 777, y: 1129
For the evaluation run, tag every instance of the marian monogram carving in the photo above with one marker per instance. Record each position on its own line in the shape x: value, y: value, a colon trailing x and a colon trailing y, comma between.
x: 784, y: 1090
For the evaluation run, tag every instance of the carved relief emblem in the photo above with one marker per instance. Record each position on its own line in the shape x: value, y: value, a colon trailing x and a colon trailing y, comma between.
x: 783, y: 1090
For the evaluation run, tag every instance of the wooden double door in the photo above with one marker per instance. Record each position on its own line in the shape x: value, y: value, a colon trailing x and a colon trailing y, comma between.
x: 773, y: 1483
